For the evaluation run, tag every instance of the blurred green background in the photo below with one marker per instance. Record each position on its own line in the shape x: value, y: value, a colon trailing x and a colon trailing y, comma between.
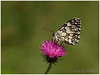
x: 22, y: 33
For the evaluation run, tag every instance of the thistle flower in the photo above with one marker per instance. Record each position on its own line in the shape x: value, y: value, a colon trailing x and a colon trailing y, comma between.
x: 52, y: 51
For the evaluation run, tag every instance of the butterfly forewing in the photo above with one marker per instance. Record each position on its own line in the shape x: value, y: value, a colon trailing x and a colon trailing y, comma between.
x: 69, y: 32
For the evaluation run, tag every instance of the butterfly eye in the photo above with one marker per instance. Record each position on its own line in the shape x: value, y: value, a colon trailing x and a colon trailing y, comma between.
x: 53, y: 34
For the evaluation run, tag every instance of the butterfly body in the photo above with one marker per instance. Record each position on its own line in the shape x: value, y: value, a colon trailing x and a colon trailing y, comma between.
x: 69, y: 32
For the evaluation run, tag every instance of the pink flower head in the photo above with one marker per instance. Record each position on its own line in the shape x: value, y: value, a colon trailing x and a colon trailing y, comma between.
x: 52, y: 49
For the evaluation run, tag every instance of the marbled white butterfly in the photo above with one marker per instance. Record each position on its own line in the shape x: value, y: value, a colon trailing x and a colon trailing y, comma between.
x: 69, y: 32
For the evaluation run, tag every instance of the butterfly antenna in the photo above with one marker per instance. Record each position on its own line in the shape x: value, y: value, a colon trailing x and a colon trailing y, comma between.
x: 48, y: 30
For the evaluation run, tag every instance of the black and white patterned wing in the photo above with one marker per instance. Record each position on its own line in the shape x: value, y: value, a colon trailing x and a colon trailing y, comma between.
x: 71, y: 29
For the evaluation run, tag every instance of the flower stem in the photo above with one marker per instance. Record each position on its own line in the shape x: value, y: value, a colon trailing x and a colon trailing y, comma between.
x: 49, y: 67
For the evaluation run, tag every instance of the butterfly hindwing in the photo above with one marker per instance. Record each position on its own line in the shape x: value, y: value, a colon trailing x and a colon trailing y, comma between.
x: 69, y: 32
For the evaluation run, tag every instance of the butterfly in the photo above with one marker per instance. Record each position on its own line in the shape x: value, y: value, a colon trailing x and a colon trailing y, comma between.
x: 69, y: 32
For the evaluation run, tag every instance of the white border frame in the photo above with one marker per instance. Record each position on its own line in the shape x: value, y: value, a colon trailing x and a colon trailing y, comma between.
x: 49, y: 0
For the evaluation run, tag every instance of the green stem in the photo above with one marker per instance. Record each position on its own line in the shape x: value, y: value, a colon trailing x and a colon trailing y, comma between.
x: 49, y: 67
